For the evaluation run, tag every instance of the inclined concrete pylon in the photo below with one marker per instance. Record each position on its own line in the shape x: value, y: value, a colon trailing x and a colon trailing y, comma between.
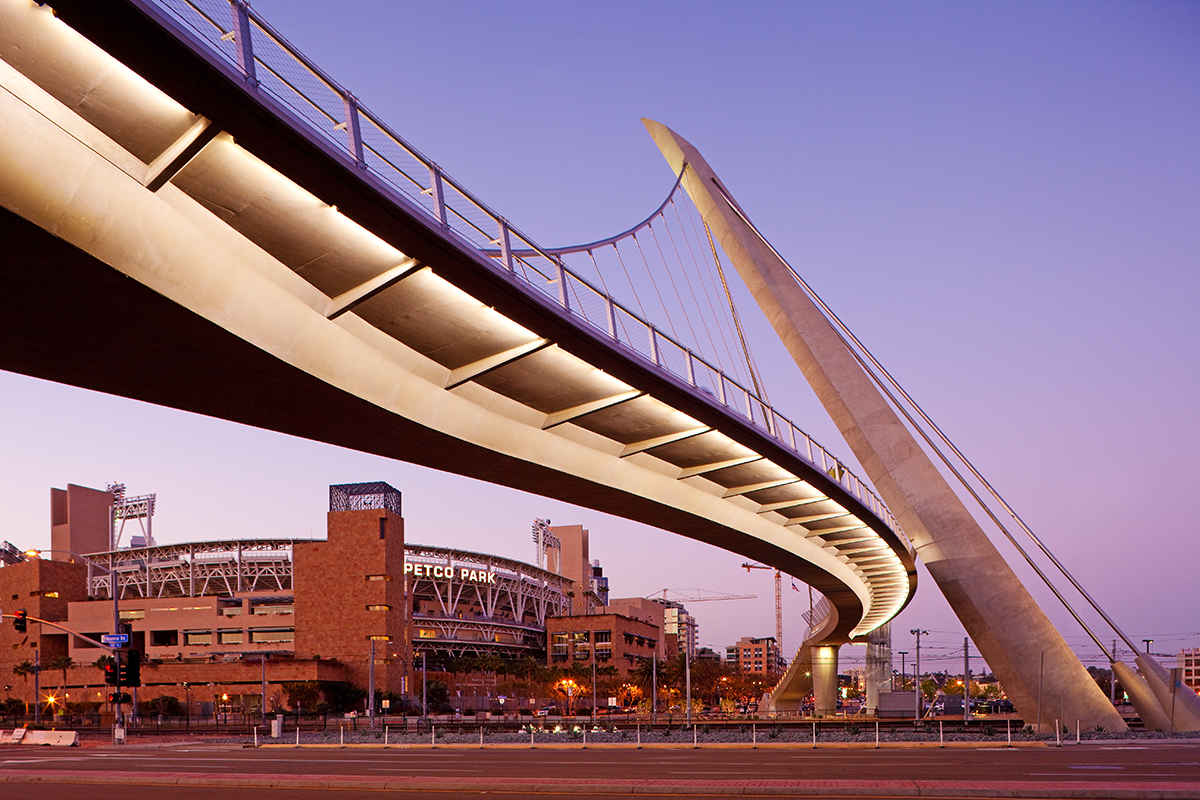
x: 1019, y: 643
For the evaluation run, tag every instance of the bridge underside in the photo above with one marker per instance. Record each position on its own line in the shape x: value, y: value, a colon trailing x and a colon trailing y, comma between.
x: 262, y: 278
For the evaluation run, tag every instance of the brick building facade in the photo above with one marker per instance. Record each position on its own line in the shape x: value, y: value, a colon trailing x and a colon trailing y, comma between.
x: 606, y: 639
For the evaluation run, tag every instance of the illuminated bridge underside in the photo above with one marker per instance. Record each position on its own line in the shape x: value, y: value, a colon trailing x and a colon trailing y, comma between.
x: 196, y: 246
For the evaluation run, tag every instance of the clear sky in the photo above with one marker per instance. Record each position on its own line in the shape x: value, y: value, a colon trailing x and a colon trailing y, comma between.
x: 1002, y: 200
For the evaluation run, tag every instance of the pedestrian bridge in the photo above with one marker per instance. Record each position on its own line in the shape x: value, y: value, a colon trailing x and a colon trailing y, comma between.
x: 196, y: 216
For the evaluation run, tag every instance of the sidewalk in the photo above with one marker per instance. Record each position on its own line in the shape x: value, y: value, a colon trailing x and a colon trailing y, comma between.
x: 1102, y: 790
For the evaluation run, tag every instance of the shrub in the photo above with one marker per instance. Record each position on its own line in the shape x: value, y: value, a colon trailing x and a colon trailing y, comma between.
x: 988, y: 730
x: 852, y: 728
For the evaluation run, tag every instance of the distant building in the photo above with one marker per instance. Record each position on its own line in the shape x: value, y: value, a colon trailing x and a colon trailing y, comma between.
x: 682, y: 626
x: 205, y: 615
x: 606, y: 639
x: 590, y: 587
x: 754, y: 655
x: 651, y: 612
x: 1189, y: 662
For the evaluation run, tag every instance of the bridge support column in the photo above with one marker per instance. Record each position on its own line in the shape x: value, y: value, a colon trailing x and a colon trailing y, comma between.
x: 1013, y: 634
x: 825, y: 679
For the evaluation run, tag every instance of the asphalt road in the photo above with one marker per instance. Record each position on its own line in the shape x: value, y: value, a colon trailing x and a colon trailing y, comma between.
x: 1115, y: 769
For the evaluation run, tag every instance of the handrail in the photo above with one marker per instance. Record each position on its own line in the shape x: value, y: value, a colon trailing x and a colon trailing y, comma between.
x: 458, y: 212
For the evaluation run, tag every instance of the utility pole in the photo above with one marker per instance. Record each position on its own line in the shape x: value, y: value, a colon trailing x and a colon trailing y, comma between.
x: 1112, y: 677
x: 687, y: 671
x: 654, y: 685
x: 903, y: 674
x: 371, y: 686
x: 966, y: 680
x: 37, y: 687
x: 920, y: 700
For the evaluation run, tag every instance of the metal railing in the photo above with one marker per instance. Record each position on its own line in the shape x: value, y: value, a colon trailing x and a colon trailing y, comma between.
x: 257, y: 54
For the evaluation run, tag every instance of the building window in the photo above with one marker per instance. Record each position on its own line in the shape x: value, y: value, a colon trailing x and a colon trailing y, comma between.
x: 230, y: 636
x: 197, y: 637
x: 558, y: 644
x: 379, y: 608
x: 267, y: 610
x: 132, y: 614
x: 164, y: 638
x: 273, y: 635
x: 379, y: 577
x: 425, y: 633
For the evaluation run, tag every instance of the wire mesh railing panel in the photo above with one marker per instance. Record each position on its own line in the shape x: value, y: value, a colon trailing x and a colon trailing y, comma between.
x: 782, y: 429
x: 210, y: 20
x: 760, y: 414
x: 673, y: 357
x: 294, y: 84
x: 588, y: 303
x: 707, y: 379
x: 468, y: 219
x: 396, y: 164
x: 736, y: 397
x: 634, y: 333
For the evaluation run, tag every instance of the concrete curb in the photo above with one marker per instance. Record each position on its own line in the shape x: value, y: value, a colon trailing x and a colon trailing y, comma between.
x: 1174, y: 790
x: 661, y: 745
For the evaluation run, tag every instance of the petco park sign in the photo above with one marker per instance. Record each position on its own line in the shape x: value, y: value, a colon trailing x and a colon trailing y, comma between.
x: 449, y: 573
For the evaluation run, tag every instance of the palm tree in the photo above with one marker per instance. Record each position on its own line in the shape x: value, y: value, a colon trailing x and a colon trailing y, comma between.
x: 63, y: 663
x: 24, y: 670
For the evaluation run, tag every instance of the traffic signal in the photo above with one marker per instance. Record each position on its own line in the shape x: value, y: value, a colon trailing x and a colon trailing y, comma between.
x: 132, y: 675
x: 115, y: 698
x: 21, y: 621
x: 111, y: 673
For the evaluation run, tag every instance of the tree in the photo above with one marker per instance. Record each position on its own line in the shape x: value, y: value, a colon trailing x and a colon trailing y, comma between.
x: 643, y: 676
x: 24, y: 670
x: 62, y: 663
x: 437, y: 694
x: 301, y: 694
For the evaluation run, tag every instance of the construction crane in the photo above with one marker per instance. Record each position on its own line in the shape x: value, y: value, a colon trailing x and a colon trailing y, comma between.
x: 778, y: 604
x: 698, y: 596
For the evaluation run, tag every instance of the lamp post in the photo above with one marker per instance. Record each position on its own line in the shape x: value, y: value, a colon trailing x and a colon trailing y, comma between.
x: 1148, y: 642
x: 903, y: 674
x: 917, y: 667
x: 187, y: 706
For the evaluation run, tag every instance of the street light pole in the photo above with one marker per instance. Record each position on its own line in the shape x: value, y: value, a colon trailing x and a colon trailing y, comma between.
x: 371, y: 686
x: 903, y: 674
x: 654, y: 685
x: 920, y: 709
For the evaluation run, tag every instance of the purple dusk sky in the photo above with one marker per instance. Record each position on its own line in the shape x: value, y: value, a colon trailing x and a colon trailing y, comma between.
x: 1002, y: 200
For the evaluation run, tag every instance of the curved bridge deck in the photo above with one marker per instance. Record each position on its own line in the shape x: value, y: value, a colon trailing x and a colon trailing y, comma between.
x: 265, y: 267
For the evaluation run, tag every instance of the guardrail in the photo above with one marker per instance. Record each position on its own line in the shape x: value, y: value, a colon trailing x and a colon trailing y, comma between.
x: 264, y: 59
